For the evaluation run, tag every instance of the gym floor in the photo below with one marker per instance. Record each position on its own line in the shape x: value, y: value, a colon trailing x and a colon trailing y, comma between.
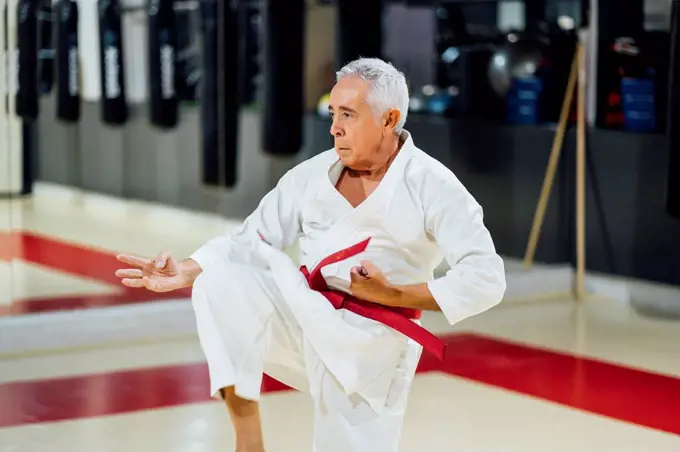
x: 543, y: 376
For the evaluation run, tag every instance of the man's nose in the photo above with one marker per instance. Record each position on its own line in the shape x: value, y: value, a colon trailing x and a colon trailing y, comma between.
x: 336, y: 131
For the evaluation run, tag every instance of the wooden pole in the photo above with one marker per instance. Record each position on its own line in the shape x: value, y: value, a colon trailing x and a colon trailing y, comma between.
x: 579, y: 288
x: 554, y: 159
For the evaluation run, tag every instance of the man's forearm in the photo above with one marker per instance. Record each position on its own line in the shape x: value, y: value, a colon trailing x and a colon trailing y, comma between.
x: 413, y: 296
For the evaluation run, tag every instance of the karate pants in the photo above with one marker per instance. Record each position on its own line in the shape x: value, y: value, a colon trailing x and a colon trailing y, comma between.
x: 246, y: 329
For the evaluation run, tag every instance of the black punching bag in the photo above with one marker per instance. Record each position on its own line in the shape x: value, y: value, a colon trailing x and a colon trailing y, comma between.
x: 112, y: 74
x: 673, y: 188
x: 66, y: 57
x: 219, y: 95
x: 359, y: 30
x: 28, y: 42
x: 229, y: 39
x: 284, y: 39
x: 208, y: 96
x: 162, y: 42
x: 46, y: 52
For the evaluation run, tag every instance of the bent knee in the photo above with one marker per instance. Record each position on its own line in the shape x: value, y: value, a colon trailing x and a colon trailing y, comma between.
x: 224, y: 279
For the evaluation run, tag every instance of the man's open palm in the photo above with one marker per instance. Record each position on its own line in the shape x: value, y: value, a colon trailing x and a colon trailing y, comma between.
x: 159, y: 275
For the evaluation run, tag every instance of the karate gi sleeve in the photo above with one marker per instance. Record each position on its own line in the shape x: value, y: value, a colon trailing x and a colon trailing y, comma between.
x: 476, y: 279
x: 276, y: 218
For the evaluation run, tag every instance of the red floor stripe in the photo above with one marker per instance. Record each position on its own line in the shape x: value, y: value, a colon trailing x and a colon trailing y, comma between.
x: 69, y: 258
x: 76, y: 260
x: 627, y: 394
x: 69, y: 303
x: 618, y: 392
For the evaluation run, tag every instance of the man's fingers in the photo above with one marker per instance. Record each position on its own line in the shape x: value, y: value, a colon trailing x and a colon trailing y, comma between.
x: 144, y: 282
x: 137, y: 283
x: 129, y: 273
x: 370, y: 267
x: 161, y: 260
x: 135, y: 261
x: 357, y: 273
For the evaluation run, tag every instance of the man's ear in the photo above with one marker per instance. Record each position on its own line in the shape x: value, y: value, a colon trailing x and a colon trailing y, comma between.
x: 392, y: 117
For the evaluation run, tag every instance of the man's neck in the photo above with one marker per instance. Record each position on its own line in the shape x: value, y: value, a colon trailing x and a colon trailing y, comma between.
x: 377, y: 173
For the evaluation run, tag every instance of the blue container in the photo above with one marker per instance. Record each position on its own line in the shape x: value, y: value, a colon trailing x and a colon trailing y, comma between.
x: 638, y: 104
x: 522, y: 101
x: 522, y: 113
x: 635, y: 101
x: 640, y: 120
x: 637, y: 86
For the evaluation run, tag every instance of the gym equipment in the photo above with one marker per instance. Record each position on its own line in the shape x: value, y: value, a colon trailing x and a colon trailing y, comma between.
x: 230, y: 72
x: 436, y: 101
x: 639, y: 109
x: 249, y: 24
x: 162, y: 48
x: 519, y: 58
x: 28, y: 43
x: 523, y: 101
x: 638, y: 66
x: 359, y: 30
x: 66, y: 58
x: 673, y: 129
x: 209, y: 120
x: 576, y: 85
x: 112, y: 73
x: 46, y: 52
x: 219, y: 96
x: 284, y: 32
x: 476, y: 98
x: 188, y: 59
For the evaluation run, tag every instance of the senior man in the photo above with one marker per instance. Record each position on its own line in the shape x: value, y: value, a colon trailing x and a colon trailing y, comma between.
x: 373, y: 217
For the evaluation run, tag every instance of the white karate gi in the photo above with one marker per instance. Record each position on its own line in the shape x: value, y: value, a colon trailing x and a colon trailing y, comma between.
x: 255, y: 312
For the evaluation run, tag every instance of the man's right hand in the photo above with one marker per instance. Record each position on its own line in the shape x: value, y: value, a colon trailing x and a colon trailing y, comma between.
x: 162, y: 274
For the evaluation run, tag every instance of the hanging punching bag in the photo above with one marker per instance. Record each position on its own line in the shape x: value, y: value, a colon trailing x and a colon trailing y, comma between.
x: 66, y: 57
x: 112, y: 74
x: 162, y: 42
x: 209, y: 123
x: 46, y: 52
x: 284, y: 39
x: 673, y: 127
x: 28, y: 43
x: 359, y: 30
x: 230, y: 71
x: 219, y: 95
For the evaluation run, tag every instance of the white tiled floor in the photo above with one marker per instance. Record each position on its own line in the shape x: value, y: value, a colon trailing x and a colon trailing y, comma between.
x: 28, y: 280
x: 446, y: 413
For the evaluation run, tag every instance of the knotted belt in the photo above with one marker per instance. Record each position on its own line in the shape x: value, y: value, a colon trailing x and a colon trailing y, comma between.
x: 399, y: 319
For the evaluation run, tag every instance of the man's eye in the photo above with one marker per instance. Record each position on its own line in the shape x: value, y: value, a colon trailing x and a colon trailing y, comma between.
x: 346, y: 115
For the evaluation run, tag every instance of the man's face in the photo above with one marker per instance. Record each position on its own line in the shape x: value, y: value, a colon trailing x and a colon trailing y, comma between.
x: 356, y: 130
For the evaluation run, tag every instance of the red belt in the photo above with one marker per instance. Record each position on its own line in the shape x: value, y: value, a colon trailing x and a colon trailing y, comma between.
x: 396, y: 318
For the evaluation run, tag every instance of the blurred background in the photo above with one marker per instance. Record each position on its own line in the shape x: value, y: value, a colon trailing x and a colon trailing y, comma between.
x: 141, y: 126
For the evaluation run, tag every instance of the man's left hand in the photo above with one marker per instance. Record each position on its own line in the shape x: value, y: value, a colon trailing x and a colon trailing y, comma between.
x: 369, y: 283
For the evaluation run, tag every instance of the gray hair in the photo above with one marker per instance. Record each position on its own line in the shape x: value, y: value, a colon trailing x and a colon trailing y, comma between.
x: 388, y: 86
